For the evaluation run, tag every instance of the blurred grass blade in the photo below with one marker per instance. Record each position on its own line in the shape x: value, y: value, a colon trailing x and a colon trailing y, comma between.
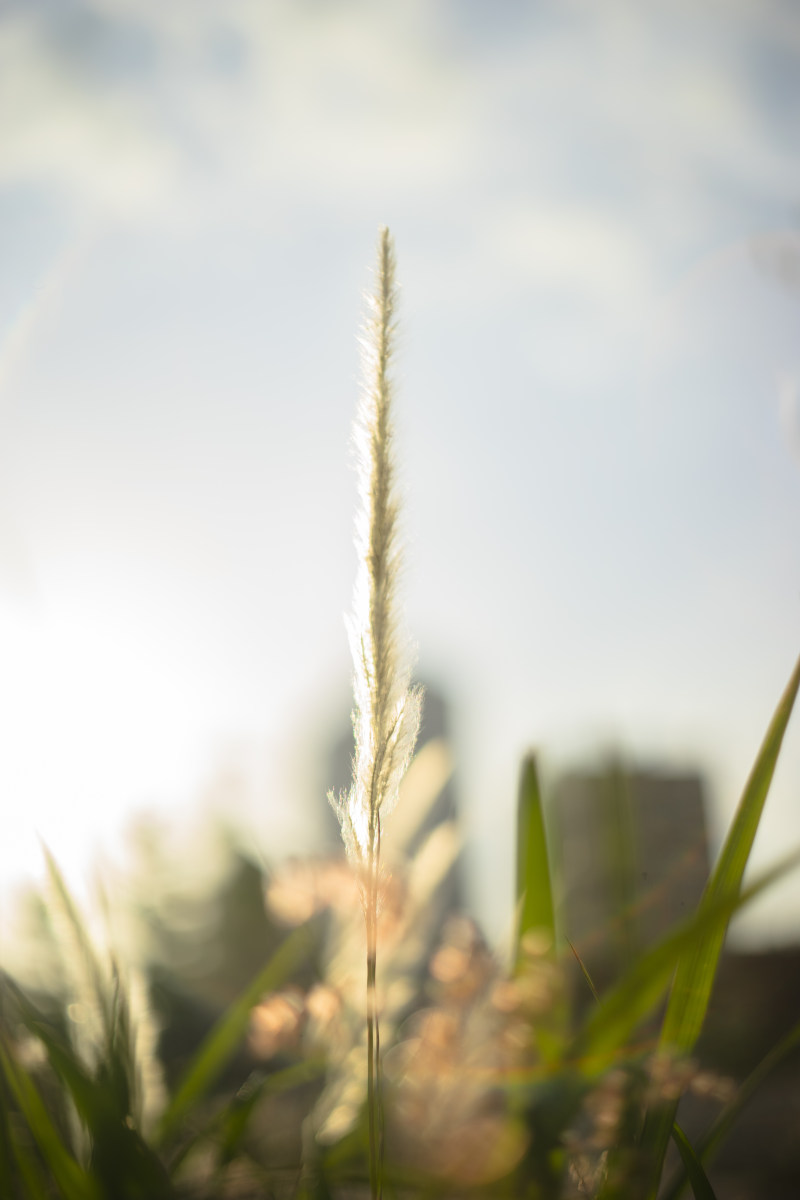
x: 694, y: 1168
x: 87, y: 1097
x: 622, y: 1009
x: 628, y: 1003
x: 33, y: 1186
x: 236, y: 1116
x: 72, y: 1180
x: 229, y: 1031
x: 716, y: 1135
x: 103, y: 990
x: 14, y: 1155
x: 64, y: 1059
x: 86, y: 970
x: 697, y: 969
x: 6, y: 1150
x: 535, y: 909
x: 585, y: 972
x: 229, y: 1126
x: 121, y: 1160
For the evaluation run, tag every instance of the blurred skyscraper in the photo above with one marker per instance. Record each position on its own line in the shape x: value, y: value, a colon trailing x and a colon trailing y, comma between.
x: 633, y: 855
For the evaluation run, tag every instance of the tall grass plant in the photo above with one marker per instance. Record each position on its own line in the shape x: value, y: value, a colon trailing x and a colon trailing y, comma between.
x: 489, y: 1081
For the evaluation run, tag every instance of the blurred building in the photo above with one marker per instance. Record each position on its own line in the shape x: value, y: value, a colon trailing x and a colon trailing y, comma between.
x: 754, y: 1014
x: 633, y: 859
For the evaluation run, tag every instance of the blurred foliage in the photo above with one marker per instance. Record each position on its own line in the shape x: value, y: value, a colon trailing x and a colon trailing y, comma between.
x: 230, y: 1062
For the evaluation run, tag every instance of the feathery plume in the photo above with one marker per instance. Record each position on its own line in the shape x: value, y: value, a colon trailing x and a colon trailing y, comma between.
x: 387, y: 710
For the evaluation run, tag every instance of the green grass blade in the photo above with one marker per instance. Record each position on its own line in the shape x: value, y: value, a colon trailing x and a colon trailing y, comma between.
x: 694, y: 1168
x: 88, y: 1098
x: 33, y: 1186
x: 73, y: 1182
x: 86, y: 969
x: 621, y: 1010
x: 16, y: 1163
x: 6, y: 1150
x: 228, y: 1126
x: 103, y: 989
x: 16, y: 1160
x: 727, y: 1117
x: 534, y: 887
x: 229, y: 1031
x: 585, y: 972
x: 697, y: 969
x: 236, y: 1117
x: 609, y: 1026
x: 535, y: 910
x: 121, y: 1160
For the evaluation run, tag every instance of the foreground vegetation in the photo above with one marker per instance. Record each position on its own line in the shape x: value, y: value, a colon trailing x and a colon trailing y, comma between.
x: 382, y: 1048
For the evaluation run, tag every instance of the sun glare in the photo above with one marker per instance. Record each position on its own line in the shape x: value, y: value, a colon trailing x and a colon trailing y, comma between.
x: 95, y: 726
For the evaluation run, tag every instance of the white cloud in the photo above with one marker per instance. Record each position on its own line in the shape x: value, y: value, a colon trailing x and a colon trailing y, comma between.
x: 351, y: 106
x: 325, y: 104
x: 573, y: 248
x: 59, y: 133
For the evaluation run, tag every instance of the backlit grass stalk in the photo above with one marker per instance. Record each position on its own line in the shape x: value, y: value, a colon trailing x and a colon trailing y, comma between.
x: 387, y: 710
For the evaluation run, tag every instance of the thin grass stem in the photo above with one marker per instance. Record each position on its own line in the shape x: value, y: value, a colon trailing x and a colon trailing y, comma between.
x: 387, y: 710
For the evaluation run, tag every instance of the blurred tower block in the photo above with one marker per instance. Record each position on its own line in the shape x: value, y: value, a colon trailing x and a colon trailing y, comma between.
x: 633, y: 859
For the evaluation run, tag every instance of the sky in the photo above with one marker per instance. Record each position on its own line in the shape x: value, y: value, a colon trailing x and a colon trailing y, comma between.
x: 596, y: 212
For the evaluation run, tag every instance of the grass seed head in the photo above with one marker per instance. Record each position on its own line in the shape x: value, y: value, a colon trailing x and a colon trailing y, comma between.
x: 387, y: 709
